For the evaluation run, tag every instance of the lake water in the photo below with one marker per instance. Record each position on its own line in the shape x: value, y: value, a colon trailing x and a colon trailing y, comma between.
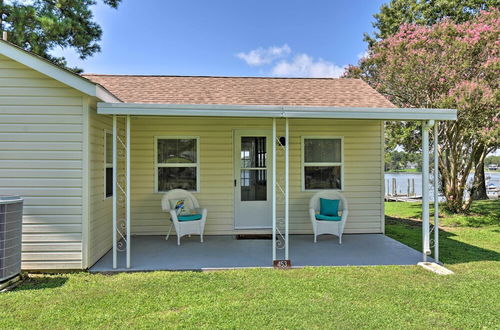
x: 402, y: 182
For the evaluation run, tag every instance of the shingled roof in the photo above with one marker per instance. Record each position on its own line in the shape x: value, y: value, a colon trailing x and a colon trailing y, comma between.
x: 242, y: 90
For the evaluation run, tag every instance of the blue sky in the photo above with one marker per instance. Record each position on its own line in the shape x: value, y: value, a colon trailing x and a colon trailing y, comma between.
x: 230, y: 37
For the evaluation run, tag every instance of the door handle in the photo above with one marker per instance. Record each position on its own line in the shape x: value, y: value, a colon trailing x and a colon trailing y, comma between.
x: 235, y: 182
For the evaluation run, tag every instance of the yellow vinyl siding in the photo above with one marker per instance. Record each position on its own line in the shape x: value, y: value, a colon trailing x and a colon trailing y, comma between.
x: 362, y: 170
x: 101, y: 209
x: 41, y: 129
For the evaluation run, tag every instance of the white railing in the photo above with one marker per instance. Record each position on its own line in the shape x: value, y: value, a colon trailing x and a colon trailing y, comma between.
x: 121, y: 190
x: 281, y: 204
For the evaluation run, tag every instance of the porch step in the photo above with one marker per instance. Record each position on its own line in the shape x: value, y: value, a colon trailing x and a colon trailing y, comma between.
x: 436, y: 268
x: 254, y: 236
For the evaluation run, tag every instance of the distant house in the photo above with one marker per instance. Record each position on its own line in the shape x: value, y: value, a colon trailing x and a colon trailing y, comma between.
x: 411, y: 165
x: 66, y: 139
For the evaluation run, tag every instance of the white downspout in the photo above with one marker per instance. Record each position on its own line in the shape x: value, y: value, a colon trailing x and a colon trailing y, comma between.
x: 128, y: 192
x: 274, y: 188
x: 115, y: 191
x: 436, y: 198
x: 425, y: 189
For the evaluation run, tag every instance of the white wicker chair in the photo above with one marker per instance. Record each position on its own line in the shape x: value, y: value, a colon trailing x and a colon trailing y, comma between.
x: 328, y: 227
x: 183, y: 228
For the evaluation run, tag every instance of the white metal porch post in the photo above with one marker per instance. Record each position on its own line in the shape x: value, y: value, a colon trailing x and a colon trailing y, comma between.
x: 425, y: 189
x: 287, y: 163
x: 128, y: 192
x: 115, y: 191
x: 436, y: 197
x: 274, y: 188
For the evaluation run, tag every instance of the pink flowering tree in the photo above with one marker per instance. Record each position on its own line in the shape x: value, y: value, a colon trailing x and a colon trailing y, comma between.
x: 446, y: 65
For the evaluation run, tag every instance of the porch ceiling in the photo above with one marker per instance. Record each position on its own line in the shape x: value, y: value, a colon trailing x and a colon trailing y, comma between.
x: 272, y: 111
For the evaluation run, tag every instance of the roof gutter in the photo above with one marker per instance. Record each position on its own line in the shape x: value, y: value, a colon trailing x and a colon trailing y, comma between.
x: 271, y: 111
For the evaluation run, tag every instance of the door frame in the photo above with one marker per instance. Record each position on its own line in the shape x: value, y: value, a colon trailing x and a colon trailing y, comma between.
x: 268, y: 133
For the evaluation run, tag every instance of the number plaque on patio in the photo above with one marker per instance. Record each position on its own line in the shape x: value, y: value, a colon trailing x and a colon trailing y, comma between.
x: 282, y: 264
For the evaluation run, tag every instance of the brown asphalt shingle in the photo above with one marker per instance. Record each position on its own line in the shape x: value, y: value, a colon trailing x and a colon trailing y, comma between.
x: 242, y: 90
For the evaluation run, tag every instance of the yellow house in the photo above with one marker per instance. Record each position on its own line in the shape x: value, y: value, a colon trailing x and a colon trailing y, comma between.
x: 93, y: 155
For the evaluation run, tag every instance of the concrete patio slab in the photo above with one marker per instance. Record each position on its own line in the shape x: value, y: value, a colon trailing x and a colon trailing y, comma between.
x: 220, y: 252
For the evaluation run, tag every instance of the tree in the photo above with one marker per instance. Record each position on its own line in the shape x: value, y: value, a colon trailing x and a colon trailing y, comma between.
x: 492, y: 160
x: 41, y: 25
x: 428, y: 12
x: 424, y: 12
x: 400, y: 160
x: 447, y: 65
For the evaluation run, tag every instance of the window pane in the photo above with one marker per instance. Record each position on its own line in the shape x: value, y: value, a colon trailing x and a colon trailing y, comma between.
x: 322, y: 151
x: 109, y: 182
x: 176, y: 177
x: 109, y: 148
x: 253, y: 185
x: 177, y: 151
x: 322, y: 177
x: 253, y: 152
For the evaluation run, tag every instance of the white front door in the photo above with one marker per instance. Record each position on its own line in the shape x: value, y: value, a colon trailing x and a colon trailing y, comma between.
x: 252, y: 179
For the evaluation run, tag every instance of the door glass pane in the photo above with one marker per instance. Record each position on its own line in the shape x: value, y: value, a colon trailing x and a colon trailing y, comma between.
x: 322, y: 150
x: 253, y: 152
x: 176, y: 151
x: 253, y: 185
x: 176, y: 178
x: 322, y: 177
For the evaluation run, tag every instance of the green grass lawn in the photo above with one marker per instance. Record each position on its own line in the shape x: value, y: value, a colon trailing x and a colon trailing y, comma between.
x: 463, y: 239
x: 324, y: 297
x: 482, y: 213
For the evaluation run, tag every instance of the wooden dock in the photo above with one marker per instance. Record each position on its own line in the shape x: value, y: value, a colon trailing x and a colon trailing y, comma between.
x: 403, y: 198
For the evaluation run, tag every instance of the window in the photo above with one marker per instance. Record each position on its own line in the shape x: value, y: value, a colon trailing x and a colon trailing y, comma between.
x: 177, y: 163
x: 108, y: 164
x: 322, y: 163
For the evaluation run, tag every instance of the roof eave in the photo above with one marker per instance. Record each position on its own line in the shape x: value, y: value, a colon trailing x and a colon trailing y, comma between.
x: 273, y: 111
x: 53, y: 71
x: 104, y: 95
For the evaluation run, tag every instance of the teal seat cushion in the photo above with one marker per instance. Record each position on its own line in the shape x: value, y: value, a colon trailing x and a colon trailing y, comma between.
x: 329, y: 207
x: 327, y: 218
x: 189, y: 217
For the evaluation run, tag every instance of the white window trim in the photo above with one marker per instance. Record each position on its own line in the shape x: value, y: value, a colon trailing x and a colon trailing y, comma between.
x: 303, y: 163
x: 197, y: 164
x: 106, y: 165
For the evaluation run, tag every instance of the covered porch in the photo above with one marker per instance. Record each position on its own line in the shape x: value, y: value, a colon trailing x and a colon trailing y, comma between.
x: 144, y: 252
x: 226, y: 252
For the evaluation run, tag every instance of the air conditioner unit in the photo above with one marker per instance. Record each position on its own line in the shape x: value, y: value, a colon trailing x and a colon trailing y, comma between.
x: 11, y: 222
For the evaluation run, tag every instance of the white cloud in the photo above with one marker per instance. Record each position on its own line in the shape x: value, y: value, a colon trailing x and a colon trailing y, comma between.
x: 304, y: 65
x: 301, y: 65
x: 262, y: 56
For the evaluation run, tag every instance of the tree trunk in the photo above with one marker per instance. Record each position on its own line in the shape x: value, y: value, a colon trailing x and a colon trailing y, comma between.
x: 459, y: 152
x: 479, y: 186
x: 478, y: 191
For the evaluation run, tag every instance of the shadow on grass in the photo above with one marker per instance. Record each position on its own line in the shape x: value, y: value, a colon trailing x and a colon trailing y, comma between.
x: 481, y: 213
x: 452, y: 251
x: 34, y: 282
